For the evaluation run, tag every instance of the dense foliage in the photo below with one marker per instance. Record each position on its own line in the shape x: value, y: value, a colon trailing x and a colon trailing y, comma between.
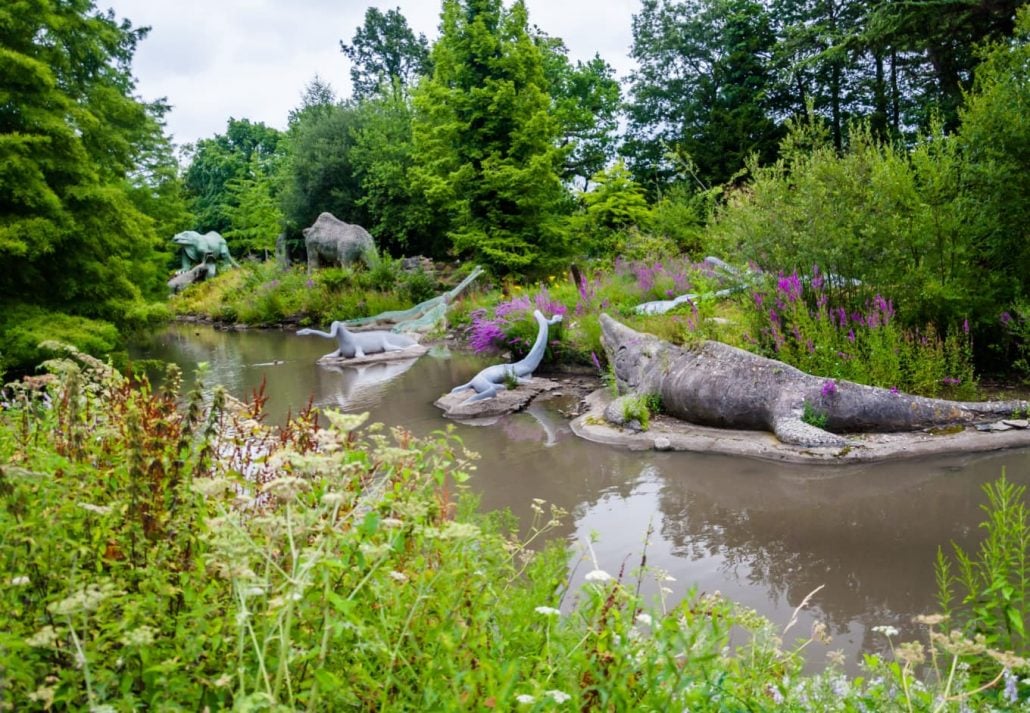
x: 170, y: 555
x: 84, y: 168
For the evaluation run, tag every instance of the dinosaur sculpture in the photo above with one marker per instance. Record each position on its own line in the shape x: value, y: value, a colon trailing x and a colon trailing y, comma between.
x: 331, y: 240
x: 195, y: 247
x: 422, y: 316
x: 359, y: 344
x: 715, y: 384
x: 491, y: 379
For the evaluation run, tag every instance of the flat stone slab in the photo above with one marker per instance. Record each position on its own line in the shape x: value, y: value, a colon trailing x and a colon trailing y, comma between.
x: 670, y: 434
x: 412, y: 352
x: 506, y: 401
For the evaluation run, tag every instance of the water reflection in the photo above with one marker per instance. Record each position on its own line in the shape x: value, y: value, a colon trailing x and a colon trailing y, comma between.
x: 764, y: 534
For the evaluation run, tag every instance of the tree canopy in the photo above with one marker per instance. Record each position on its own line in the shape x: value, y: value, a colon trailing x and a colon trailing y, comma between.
x: 74, y: 144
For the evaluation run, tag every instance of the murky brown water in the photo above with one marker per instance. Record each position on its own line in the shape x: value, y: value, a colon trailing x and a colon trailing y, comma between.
x: 763, y: 534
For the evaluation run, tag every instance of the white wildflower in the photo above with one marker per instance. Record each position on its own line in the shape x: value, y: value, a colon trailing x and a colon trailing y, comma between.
x: 253, y: 590
x: 20, y: 581
x: 548, y: 611
x: 87, y: 599
x: 644, y: 619
x: 223, y: 680
x: 98, y: 509
x: 598, y: 575
x: 333, y: 499
x: 141, y: 636
x: 558, y: 696
x: 887, y: 631
x: 345, y: 422
x: 43, y: 638
x: 287, y: 488
x: 399, y: 576
x: 391, y: 522
x: 668, y: 578
x: 525, y: 699
x: 211, y: 487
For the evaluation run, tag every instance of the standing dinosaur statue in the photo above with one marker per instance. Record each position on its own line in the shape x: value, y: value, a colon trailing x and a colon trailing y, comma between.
x: 491, y: 379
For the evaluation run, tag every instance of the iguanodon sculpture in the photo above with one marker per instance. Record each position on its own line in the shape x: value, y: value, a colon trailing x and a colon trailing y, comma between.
x: 491, y: 379
x: 195, y: 247
x: 359, y: 344
x: 715, y: 384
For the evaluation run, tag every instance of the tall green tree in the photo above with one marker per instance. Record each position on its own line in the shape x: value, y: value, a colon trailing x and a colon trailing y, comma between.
x: 255, y: 218
x: 72, y: 241
x: 703, y: 89
x: 215, y: 162
x: 586, y: 102
x: 385, y: 53
x: 486, y: 144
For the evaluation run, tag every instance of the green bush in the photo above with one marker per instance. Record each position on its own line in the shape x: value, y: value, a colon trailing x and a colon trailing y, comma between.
x: 25, y: 327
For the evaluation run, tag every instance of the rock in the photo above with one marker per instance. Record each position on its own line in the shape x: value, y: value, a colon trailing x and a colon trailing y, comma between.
x: 1020, y: 423
x: 662, y: 444
x: 1000, y: 426
x: 506, y: 401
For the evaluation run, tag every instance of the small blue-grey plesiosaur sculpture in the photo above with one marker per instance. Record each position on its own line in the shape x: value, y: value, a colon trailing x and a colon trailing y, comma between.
x: 491, y: 379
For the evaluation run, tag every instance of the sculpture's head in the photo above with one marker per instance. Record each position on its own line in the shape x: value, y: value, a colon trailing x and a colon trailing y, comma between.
x: 187, y: 237
x: 629, y: 352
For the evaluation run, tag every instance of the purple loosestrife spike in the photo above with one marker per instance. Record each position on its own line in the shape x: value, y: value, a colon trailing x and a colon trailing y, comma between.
x: 851, y: 335
x: 1005, y: 318
x: 965, y: 326
x: 829, y: 388
x: 597, y: 362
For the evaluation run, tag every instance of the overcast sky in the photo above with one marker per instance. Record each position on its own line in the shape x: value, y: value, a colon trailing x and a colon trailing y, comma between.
x: 251, y: 59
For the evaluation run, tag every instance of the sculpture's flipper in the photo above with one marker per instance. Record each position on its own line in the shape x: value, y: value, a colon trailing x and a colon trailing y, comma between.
x: 792, y: 430
x: 488, y: 393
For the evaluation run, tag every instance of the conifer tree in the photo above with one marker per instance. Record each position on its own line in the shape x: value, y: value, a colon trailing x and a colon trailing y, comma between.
x: 486, y: 145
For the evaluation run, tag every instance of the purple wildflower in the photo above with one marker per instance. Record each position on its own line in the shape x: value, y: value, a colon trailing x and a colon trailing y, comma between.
x: 1005, y: 318
x: 310, y: 283
x: 1011, y: 693
x: 965, y: 326
x: 817, y: 279
x: 790, y: 286
x: 851, y: 335
x: 486, y: 335
x: 894, y: 390
x: 758, y: 297
x: 829, y: 388
x: 597, y: 362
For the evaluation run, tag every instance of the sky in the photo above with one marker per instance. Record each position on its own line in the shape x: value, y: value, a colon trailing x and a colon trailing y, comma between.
x: 251, y: 59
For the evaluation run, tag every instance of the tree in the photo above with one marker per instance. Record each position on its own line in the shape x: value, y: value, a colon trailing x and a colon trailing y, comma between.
x: 702, y: 91
x: 253, y: 211
x: 217, y: 161
x: 72, y: 240
x: 319, y: 173
x: 486, y: 145
x: 385, y: 53
x: 586, y: 100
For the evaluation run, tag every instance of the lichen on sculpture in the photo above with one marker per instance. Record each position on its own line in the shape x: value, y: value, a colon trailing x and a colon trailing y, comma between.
x: 357, y: 345
x: 196, y: 247
x: 492, y: 379
x: 331, y: 241
x: 714, y: 384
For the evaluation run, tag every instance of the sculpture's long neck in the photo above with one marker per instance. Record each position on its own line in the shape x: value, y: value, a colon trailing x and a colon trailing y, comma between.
x: 450, y: 296
x: 536, y: 354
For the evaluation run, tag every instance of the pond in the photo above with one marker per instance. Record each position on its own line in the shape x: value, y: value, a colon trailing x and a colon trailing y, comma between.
x: 761, y: 533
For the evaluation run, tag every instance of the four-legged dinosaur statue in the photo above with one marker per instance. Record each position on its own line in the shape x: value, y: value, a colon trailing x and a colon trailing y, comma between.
x: 358, y: 344
x: 491, y: 379
x: 715, y: 384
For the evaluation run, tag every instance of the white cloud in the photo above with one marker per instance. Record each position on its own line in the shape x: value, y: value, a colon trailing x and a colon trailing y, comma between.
x: 215, y: 59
